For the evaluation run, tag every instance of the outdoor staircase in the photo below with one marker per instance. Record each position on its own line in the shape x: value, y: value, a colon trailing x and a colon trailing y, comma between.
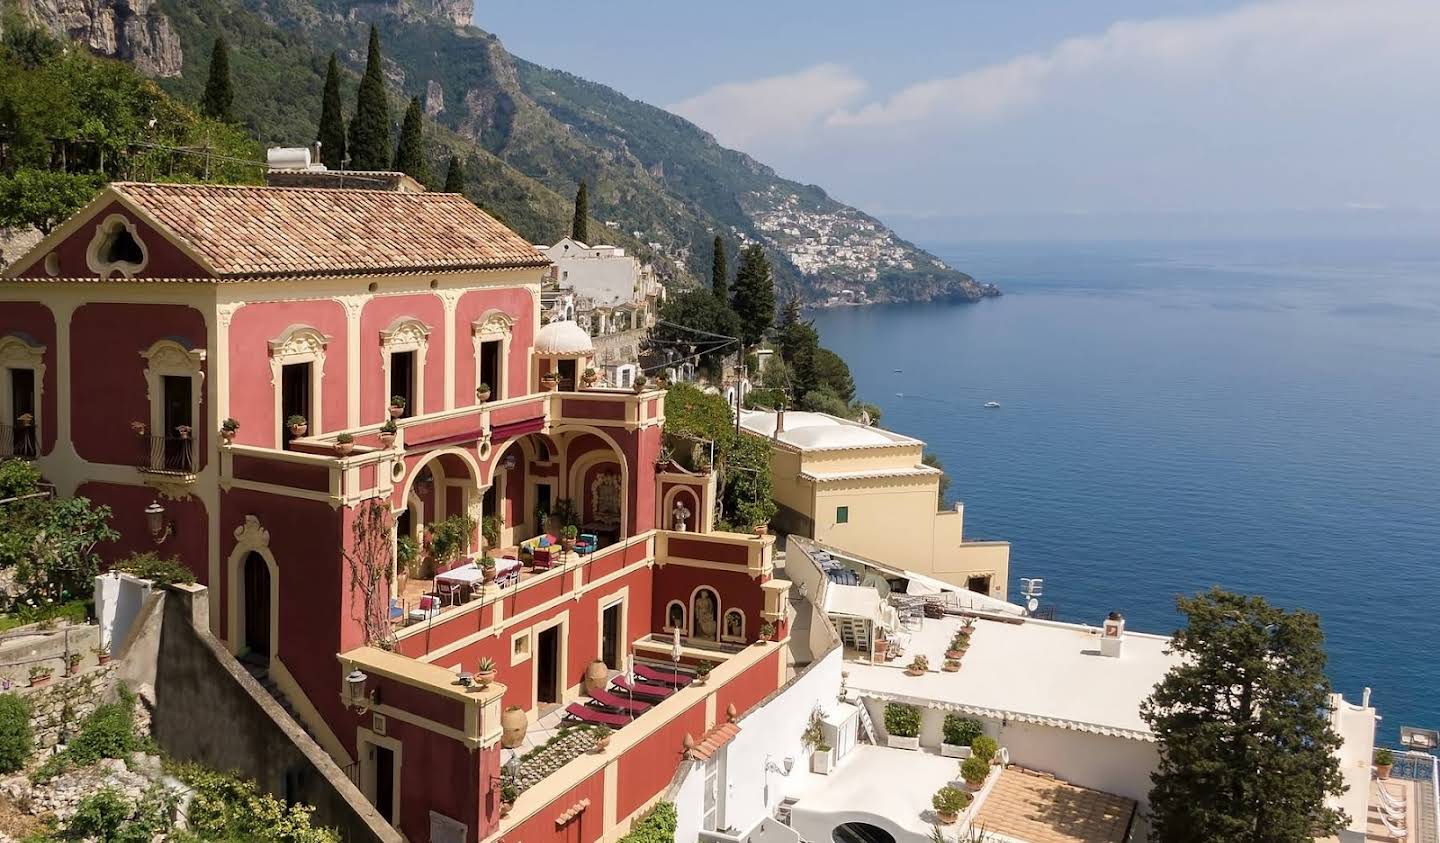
x: 260, y: 671
x: 867, y: 726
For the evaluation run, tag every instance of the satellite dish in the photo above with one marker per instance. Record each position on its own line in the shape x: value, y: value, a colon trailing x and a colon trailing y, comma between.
x: 1032, y: 604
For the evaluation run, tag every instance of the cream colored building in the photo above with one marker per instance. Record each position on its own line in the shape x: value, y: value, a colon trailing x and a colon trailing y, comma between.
x: 864, y: 490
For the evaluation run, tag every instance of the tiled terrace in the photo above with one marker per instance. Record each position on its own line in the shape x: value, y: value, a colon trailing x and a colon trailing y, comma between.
x: 1039, y: 809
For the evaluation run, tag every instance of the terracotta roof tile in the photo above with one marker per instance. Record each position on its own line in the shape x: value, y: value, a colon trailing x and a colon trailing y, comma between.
x: 714, y: 740
x: 247, y: 232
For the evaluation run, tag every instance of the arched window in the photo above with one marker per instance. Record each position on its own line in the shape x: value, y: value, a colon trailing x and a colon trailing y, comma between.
x: 858, y: 832
x: 675, y: 616
x: 116, y: 248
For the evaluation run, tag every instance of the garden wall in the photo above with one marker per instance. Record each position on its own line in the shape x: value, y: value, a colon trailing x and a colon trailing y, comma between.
x: 64, y: 703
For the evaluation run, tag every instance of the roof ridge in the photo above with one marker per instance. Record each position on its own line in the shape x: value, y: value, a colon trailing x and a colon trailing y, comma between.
x: 288, y: 188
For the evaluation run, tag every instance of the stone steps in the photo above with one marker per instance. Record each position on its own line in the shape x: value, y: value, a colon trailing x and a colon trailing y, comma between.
x: 261, y: 673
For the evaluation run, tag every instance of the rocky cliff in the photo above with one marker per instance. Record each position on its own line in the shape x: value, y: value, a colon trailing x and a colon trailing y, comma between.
x: 133, y: 30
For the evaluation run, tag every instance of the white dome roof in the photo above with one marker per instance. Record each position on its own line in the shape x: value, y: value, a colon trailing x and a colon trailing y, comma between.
x: 563, y: 339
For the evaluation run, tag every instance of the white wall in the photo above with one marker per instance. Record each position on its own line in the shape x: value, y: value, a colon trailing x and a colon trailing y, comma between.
x: 690, y: 804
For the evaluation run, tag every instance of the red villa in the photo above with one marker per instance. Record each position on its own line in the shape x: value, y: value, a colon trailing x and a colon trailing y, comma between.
x: 131, y: 333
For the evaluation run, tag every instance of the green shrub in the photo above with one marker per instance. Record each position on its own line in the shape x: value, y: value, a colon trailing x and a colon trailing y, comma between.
x: 902, y: 721
x: 1384, y: 758
x: 73, y: 611
x: 16, y: 740
x: 984, y: 748
x: 109, y: 732
x: 960, y: 731
x: 226, y: 807
x: 99, y: 816
x: 949, y: 800
x: 974, y: 770
x: 148, y: 566
x: 658, y: 826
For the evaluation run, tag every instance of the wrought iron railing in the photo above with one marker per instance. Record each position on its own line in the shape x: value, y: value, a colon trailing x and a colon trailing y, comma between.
x: 170, y: 454
x: 18, y: 441
x: 1424, y: 770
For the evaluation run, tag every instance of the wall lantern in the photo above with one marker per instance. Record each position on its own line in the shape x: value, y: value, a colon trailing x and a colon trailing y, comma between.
x: 355, y: 686
x: 509, y: 462
x: 160, y: 529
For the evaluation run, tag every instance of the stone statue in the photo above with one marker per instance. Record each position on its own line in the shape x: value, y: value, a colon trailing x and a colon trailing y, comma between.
x: 680, y: 516
x: 705, y: 625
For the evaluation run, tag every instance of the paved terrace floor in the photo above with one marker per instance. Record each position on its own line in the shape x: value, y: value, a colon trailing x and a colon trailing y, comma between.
x: 1040, y: 809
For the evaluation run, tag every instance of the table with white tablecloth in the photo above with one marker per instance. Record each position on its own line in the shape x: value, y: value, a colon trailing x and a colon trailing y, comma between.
x: 449, y: 583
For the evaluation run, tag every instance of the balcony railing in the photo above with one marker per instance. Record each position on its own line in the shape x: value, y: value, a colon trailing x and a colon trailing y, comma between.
x: 18, y: 441
x: 168, y: 455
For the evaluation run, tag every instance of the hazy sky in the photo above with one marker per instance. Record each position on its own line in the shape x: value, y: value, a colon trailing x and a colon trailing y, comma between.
x: 1096, y: 118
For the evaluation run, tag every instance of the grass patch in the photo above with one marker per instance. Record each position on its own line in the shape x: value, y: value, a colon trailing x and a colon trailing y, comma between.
x: 75, y: 611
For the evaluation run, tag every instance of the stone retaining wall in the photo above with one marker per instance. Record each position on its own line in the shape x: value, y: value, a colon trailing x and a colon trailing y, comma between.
x: 65, y: 702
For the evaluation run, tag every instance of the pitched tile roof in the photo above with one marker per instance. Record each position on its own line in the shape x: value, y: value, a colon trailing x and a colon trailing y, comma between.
x: 258, y: 232
x: 714, y: 740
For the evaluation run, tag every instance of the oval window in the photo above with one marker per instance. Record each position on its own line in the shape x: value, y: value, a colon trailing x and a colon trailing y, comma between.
x: 861, y: 833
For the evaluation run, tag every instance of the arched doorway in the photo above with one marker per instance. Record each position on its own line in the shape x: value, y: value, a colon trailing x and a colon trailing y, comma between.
x: 257, y: 608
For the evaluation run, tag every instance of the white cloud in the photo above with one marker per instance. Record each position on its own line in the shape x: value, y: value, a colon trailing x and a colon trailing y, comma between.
x: 739, y: 112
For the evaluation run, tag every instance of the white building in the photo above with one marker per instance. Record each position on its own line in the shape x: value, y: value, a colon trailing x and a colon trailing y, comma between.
x: 611, y: 295
x: 603, y: 274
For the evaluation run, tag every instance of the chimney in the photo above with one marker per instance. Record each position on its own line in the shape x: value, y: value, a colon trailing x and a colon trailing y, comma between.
x: 779, y: 421
x: 1112, y: 639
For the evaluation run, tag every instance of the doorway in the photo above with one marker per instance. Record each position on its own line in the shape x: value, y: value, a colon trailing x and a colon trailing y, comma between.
x: 402, y: 380
x: 295, y: 399
x: 490, y: 368
x: 257, y: 607
x: 547, y: 665
x: 567, y: 374
x: 380, y: 773
x: 384, y: 782
x: 610, y: 647
x: 175, y: 414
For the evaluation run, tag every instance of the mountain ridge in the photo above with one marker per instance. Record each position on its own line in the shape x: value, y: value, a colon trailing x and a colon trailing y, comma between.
x: 660, y: 185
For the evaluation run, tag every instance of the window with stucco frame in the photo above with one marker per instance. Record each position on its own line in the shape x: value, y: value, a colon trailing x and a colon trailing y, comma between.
x: 404, y: 335
x: 298, y: 344
x: 168, y: 358
x: 20, y: 353
x: 494, y: 326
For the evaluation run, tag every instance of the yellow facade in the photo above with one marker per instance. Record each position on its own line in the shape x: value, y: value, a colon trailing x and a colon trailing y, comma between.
x: 864, y: 490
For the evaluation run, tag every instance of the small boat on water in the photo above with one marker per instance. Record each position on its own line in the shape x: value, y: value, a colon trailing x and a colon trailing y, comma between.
x: 992, y: 404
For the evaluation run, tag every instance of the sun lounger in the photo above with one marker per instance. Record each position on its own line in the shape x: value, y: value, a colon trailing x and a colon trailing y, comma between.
x: 663, y: 677
x: 644, y: 690
x: 619, y: 703
x: 594, y: 716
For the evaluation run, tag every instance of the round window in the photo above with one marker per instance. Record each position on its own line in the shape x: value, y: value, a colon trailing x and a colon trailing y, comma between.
x: 861, y: 833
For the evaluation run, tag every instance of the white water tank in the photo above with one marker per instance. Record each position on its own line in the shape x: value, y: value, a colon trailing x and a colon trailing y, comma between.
x: 288, y: 157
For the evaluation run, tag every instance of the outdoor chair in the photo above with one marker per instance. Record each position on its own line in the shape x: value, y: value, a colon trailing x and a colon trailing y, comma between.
x: 609, y: 700
x: 542, y: 558
x: 429, y: 608
x: 594, y: 716
x: 644, y: 690
x: 587, y: 543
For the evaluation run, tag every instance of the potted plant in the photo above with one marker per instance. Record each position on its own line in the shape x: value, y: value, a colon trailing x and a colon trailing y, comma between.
x: 1384, y: 761
x: 40, y: 674
x: 974, y: 770
x: 297, y: 424
x: 958, y: 733
x: 959, y: 643
x: 590, y: 377
x: 344, y: 444
x: 902, y: 726
x: 767, y: 632
x: 882, y: 648
x: 227, y: 431
x: 918, y: 666
x: 487, y: 567
x: 138, y: 428
x: 639, y: 384
x: 482, y: 393
x: 387, y: 433
x: 397, y: 406
x: 568, y: 535
x: 490, y: 529
x: 602, y: 738
x: 950, y: 665
x: 25, y: 419
x: 102, y: 654
x: 549, y: 381
x: 182, y: 431
x: 948, y: 802
x: 702, y: 672
x: 985, y: 748
x: 508, y: 794
x: 72, y: 663
x: 485, y: 671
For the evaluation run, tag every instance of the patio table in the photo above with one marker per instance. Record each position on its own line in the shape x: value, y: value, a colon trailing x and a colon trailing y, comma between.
x: 507, y: 572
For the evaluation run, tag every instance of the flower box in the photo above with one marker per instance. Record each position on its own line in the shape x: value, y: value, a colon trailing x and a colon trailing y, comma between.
x: 822, y: 761
x: 896, y: 742
x: 950, y: 750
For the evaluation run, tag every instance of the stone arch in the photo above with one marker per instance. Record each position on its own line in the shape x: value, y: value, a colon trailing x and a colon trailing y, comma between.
x: 667, y: 506
x: 619, y: 455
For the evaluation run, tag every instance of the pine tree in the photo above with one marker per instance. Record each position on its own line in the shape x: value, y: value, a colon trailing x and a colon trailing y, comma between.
x: 754, y: 299
x: 580, y: 226
x: 455, y: 175
x: 217, y: 100
x: 719, y: 273
x: 798, y: 342
x: 1246, y: 748
x: 370, y: 128
x: 332, y: 120
x: 410, y: 153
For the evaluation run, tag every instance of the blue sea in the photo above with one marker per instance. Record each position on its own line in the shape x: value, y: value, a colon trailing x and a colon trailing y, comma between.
x: 1262, y: 416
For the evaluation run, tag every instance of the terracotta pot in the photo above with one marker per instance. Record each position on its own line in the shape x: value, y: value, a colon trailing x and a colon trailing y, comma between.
x: 227, y: 436
x: 639, y: 388
x: 482, y: 395
x: 103, y: 658
x: 396, y: 412
x: 488, y: 574
x: 485, y: 677
x: 954, y: 654
x: 1382, y: 771
x: 505, y: 809
x: 880, y: 648
x: 602, y: 743
x: 299, y: 429
x: 40, y: 681
x: 549, y: 384
x: 344, y: 448
x: 597, y: 676
x: 949, y: 668
x: 568, y: 544
x: 946, y: 817
x: 910, y: 671
x: 386, y: 439
x: 762, y: 529
x: 513, y: 724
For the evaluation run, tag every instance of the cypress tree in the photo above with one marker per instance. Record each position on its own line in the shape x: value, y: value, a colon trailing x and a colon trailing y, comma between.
x: 218, y: 98
x: 332, y: 120
x: 410, y: 153
x: 455, y: 176
x: 754, y: 294
x: 580, y: 226
x: 370, y: 128
x: 719, y: 273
